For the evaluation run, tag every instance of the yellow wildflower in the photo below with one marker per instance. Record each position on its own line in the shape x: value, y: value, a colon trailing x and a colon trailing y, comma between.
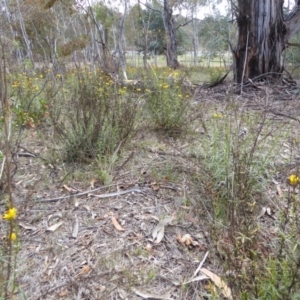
x: 217, y: 116
x: 10, y: 214
x: 13, y: 236
x: 294, y: 180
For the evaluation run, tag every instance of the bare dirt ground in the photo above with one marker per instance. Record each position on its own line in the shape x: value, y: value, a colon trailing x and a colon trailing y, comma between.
x: 81, y: 239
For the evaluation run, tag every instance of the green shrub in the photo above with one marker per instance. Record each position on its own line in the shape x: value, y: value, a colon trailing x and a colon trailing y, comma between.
x: 168, y: 104
x: 99, y: 119
x: 29, y: 105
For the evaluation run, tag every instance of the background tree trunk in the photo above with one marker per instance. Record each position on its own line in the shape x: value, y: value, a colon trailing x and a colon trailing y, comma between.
x: 120, y: 51
x: 195, y: 40
x: 261, y: 38
x: 171, y: 51
x: 263, y: 32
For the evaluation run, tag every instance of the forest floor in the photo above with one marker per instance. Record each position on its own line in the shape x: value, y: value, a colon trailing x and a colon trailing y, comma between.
x: 146, y: 230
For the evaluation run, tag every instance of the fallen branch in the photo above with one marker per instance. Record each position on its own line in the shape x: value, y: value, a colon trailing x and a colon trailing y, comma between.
x: 132, y: 189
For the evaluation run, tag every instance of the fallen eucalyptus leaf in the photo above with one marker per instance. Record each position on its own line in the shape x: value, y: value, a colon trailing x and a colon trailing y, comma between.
x: 198, y: 278
x: 28, y: 227
x: 159, y: 230
x: 146, y: 295
x: 116, y: 224
x: 218, y: 282
x: 55, y: 226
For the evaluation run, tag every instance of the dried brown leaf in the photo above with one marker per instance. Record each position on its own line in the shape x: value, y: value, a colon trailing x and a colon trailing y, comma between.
x: 116, y: 224
x: 54, y: 226
x: 85, y: 270
x: 179, y: 239
x: 87, y: 207
x: 187, y: 239
x: 70, y: 190
x: 155, y: 186
x: 63, y: 293
x: 93, y: 183
x: 218, y: 282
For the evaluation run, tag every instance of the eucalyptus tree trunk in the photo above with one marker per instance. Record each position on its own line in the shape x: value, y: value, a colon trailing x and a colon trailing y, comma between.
x: 146, y: 26
x: 263, y: 32
x: 195, y: 40
x: 17, y: 54
x: 171, y: 41
x: 121, y: 54
x: 24, y: 34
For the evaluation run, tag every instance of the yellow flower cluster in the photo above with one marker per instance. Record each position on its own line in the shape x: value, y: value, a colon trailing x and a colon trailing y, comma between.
x: 13, y: 236
x: 123, y: 90
x: 164, y: 86
x: 293, y: 180
x: 15, y: 84
x: 10, y: 214
x: 25, y: 82
x: 217, y: 116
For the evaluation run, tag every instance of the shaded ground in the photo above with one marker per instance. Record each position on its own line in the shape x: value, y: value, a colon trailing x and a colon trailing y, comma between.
x: 87, y: 256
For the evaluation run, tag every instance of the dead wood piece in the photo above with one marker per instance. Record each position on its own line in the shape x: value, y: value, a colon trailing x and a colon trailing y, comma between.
x: 132, y: 189
x: 283, y: 115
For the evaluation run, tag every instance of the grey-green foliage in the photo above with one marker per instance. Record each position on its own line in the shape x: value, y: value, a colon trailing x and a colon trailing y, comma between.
x: 150, y: 19
x: 214, y: 33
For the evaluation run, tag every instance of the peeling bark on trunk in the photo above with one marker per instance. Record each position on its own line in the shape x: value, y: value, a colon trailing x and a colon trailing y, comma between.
x: 262, y: 35
x: 171, y: 51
